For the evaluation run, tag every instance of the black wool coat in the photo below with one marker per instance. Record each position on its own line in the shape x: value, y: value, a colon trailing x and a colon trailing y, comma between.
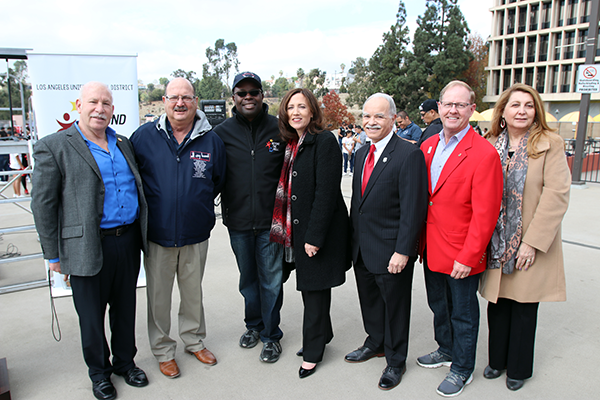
x: 319, y: 214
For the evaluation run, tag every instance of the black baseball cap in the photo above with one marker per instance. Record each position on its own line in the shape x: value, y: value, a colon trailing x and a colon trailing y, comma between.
x: 428, y: 104
x: 246, y: 75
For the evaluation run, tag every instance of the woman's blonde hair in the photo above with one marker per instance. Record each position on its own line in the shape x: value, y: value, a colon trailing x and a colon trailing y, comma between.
x: 539, y: 127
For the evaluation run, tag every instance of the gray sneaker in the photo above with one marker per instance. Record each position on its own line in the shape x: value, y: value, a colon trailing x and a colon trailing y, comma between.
x: 249, y: 339
x: 453, y: 384
x: 434, y: 360
x: 270, y: 352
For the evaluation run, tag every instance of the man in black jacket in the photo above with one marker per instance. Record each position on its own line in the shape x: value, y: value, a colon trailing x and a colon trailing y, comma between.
x: 429, y: 115
x: 254, y: 159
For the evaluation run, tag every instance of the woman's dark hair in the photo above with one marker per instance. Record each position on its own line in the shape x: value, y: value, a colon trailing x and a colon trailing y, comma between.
x: 315, y: 125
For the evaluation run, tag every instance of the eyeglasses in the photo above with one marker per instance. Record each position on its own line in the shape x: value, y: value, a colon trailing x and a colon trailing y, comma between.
x: 459, y: 106
x: 422, y: 113
x: 253, y: 93
x: 175, y: 99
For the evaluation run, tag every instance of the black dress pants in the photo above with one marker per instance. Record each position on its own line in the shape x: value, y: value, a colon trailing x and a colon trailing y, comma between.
x: 115, y: 286
x: 317, y: 330
x: 512, y: 337
x: 385, y: 301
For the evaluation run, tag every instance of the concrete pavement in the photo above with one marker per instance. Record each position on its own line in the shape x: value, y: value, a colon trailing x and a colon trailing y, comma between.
x: 568, y: 335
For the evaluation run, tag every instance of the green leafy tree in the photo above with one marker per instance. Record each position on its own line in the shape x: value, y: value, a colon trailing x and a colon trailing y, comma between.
x: 163, y: 81
x: 389, y: 57
x: 189, y: 75
x: 210, y: 87
x: 17, y: 75
x: 316, y: 82
x: 280, y: 87
x: 440, y: 55
x: 300, y: 74
x: 361, y: 86
x: 221, y: 60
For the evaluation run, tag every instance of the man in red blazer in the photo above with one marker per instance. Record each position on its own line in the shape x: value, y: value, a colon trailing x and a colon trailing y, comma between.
x: 465, y: 191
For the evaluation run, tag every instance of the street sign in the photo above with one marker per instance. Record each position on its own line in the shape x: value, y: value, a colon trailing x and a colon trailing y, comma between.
x: 588, y: 79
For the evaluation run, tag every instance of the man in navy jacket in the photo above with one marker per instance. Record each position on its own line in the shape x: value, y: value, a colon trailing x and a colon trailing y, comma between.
x: 182, y: 163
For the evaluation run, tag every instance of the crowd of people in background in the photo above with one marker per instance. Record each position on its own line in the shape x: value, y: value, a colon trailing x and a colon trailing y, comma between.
x: 483, y: 214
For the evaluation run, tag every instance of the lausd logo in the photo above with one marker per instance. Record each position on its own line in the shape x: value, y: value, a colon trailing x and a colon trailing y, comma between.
x: 68, y: 120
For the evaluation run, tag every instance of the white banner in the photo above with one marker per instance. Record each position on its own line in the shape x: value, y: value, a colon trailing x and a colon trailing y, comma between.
x: 57, y: 78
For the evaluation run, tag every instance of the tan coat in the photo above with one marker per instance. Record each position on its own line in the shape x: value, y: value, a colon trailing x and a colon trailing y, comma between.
x: 545, y: 201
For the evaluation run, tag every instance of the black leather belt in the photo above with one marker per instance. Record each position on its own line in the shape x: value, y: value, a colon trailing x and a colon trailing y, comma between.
x: 116, y: 231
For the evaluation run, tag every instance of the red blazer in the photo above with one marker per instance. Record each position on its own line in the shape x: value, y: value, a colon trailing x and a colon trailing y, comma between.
x: 464, y: 207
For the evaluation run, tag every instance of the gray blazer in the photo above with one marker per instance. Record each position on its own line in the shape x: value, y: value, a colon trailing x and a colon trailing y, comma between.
x: 68, y: 200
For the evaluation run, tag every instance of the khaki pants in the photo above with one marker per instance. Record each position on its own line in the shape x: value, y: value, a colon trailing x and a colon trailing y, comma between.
x: 162, y: 264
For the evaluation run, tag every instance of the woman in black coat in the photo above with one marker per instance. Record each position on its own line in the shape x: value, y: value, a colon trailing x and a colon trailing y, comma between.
x: 310, y: 217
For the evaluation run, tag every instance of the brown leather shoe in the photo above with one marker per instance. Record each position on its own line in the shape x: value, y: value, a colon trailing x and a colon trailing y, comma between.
x: 205, y: 356
x: 169, y: 369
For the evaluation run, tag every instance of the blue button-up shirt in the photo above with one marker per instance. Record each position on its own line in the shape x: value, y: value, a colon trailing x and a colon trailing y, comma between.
x: 443, y: 152
x: 412, y: 132
x: 121, y: 205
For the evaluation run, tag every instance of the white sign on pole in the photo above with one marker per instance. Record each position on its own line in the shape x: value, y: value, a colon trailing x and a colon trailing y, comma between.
x: 588, y: 79
x: 57, y: 78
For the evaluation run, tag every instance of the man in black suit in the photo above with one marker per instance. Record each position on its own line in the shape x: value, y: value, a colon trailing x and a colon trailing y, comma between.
x: 389, y: 205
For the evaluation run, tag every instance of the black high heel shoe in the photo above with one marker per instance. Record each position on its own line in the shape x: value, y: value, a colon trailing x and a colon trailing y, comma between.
x: 304, y: 373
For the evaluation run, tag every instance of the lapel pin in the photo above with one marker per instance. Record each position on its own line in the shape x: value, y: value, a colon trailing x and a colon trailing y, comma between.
x: 459, y: 154
x: 119, y: 139
x: 384, y: 159
x: 429, y: 150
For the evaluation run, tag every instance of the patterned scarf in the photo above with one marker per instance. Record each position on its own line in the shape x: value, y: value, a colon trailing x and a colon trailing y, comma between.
x: 281, y: 226
x: 506, y: 238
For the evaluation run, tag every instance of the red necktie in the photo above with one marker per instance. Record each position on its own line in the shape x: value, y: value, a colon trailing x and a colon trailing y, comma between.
x: 368, y: 168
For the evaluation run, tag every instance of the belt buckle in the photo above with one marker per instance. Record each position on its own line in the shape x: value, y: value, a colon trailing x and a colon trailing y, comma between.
x: 118, y: 231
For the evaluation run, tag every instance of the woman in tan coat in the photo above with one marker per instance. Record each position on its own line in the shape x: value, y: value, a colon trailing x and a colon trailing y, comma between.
x: 525, y: 259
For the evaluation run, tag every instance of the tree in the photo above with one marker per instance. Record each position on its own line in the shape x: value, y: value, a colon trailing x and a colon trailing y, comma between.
x: 280, y: 86
x: 389, y: 57
x: 361, y: 86
x: 163, y: 81
x: 440, y: 54
x: 17, y: 74
x: 189, y: 75
x: 221, y: 60
x: 476, y: 75
x: 210, y: 87
x: 300, y: 74
x: 335, y: 112
x: 316, y: 82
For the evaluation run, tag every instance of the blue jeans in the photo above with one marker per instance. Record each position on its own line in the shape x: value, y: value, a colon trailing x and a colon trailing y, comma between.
x: 261, y: 271
x: 348, y: 157
x: 455, y: 317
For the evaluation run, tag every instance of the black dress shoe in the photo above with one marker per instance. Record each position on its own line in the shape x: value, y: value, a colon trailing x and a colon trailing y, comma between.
x: 361, y: 354
x: 391, y: 377
x: 134, y: 377
x: 104, y: 389
x: 514, y: 384
x: 491, y: 373
x: 307, y: 372
x: 300, y: 352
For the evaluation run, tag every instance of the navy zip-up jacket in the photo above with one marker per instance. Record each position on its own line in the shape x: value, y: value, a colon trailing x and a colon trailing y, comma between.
x: 180, y: 184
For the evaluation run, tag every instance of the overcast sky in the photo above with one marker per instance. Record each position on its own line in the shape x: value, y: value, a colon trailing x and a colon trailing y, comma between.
x: 167, y: 35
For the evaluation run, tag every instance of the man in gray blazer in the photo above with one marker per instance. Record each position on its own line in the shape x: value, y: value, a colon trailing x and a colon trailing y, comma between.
x: 91, y: 217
